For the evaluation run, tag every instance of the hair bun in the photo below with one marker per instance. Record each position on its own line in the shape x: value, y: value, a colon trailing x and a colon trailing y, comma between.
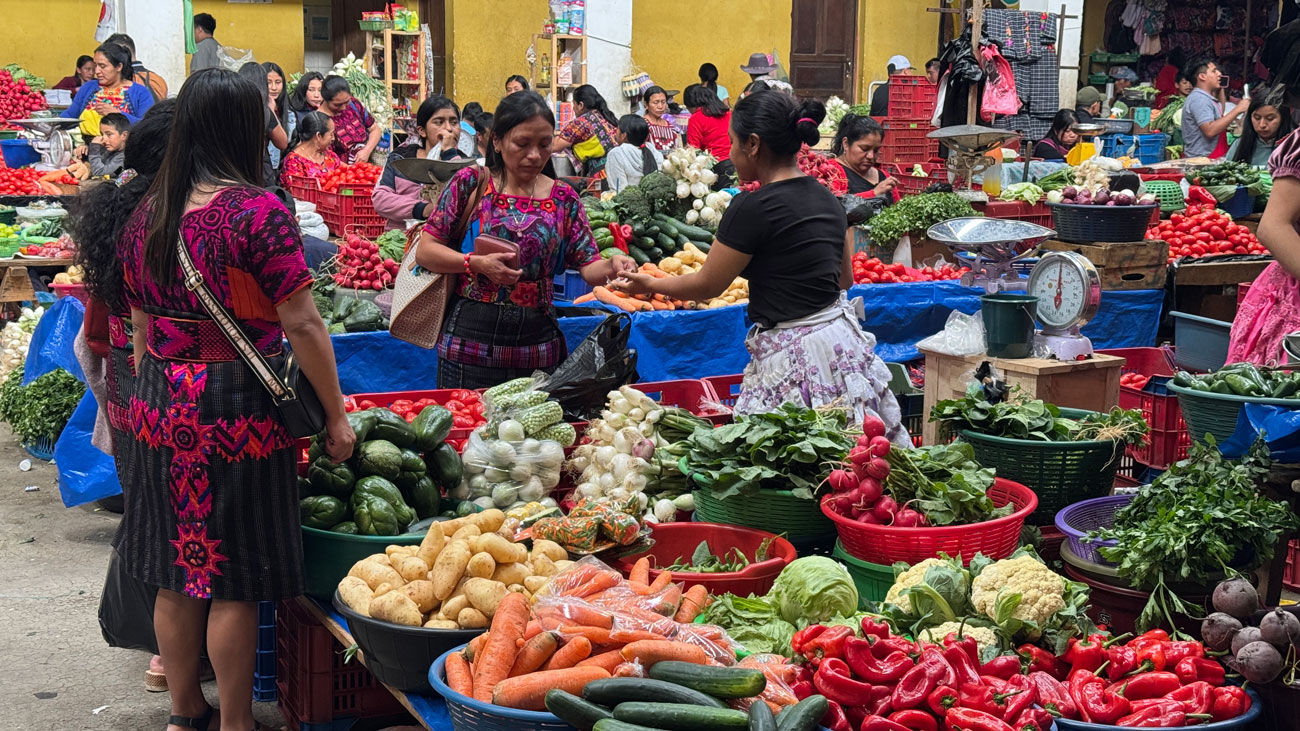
x: 808, y: 115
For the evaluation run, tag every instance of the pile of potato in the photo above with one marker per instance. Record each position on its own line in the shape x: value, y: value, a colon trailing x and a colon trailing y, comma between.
x: 454, y: 579
x: 689, y: 261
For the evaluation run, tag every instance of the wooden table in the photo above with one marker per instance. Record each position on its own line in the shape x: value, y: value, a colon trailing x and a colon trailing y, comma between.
x: 1091, y: 384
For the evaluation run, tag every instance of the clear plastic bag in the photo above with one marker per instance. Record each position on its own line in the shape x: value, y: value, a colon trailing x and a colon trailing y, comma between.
x: 962, y: 334
x: 501, y: 474
x: 780, y: 674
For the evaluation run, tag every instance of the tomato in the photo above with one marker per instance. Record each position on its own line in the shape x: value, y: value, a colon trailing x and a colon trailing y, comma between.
x: 366, y: 404
x: 1198, y: 249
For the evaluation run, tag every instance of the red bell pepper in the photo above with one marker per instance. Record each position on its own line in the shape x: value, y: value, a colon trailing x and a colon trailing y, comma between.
x: 857, y: 715
x: 799, y: 642
x: 1096, y: 704
x: 965, y: 670
x: 1025, y: 694
x: 1036, y: 658
x: 967, y: 645
x: 620, y: 238
x: 1123, y: 661
x: 1003, y: 666
x: 827, y: 644
x: 1086, y: 654
x: 1177, y: 651
x: 1196, y: 697
x: 835, y: 718
x: 866, y: 666
x: 880, y: 703
x: 933, y: 657
x: 915, y: 685
x: 886, y: 646
x: 984, y: 698
x: 1191, y: 669
x: 1053, y: 696
x: 802, y: 688
x: 835, y: 681
x: 1228, y: 702
x: 969, y: 719
x: 880, y: 723
x: 1151, y: 657
x: 943, y: 698
x: 915, y: 719
x: 1148, y: 637
x: 1163, y: 714
x: 1146, y: 685
x: 1033, y: 719
x: 873, y: 628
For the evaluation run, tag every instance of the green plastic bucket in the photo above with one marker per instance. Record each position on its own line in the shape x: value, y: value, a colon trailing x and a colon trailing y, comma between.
x: 1008, y: 324
x: 328, y: 556
x: 775, y: 511
x: 872, y: 579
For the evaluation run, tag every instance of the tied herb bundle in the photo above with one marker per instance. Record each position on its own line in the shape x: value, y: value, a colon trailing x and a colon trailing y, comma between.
x: 1034, y: 420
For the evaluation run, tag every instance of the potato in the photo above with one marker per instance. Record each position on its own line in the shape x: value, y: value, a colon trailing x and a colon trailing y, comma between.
x: 452, y: 606
x: 375, y: 573
x: 562, y: 565
x: 421, y: 592
x: 433, y: 543
x: 485, y: 594
x: 471, y: 618
x: 449, y: 567
x: 441, y: 624
x: 383, y: 589
x: 480, y: 565
x: 502, y: 550
x: 466, y: 532
x: 411, y: 568
x: 511, y: 573
x: 394, y: 552
x: 356, y: 593
x: 398, y: 608
x: 488, y: 521
x: 534, y: 584
x: 542, y: 566
x: 549, y: 549
x: 379, y: 558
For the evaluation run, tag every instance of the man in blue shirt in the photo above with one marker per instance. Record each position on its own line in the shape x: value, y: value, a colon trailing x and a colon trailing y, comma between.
x: 1205, y: 126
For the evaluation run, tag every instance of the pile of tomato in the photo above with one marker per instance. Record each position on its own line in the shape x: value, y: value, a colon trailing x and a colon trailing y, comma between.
x: 466, y: 409
x: 17, y: 100
x: 870, y: 270
x: 20, y: 181
x: 361, y: 173
x: 1134, y: 380
x: 1203, y: 231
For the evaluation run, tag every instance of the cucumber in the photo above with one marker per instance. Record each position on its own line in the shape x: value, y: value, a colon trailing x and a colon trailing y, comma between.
x: 804, y: 715
x: 653, y: 230
x: 761, y: 718
x: 638, y: 229
x: 666, y: 242
x: 612, y: 724
x: 703, y: 246
x: 638, y: 256
x: 715, y: 681
x: 613, y: 691
x: 579, y: 713
x: 646, y: 242
x: 694, y: 233
x: 684, y: 716
x: 682, y: 240
x: 610, y: 252
x: 669, y: 225
x: 656, y: 254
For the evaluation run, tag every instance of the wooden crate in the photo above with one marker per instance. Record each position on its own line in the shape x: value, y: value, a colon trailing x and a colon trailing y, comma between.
x: 1219, y: 273
x: 1132, y: 265
x: 1088, y: 384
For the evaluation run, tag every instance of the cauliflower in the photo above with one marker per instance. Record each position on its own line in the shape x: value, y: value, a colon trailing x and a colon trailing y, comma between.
x: 983, y: 636
x: 1041, y: 589
x: 910, y: 577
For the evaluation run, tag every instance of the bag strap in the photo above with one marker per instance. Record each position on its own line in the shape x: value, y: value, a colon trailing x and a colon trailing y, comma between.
x: 280, y: 392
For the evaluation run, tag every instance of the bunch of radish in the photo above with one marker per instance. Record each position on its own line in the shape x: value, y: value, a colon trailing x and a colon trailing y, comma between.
x: 361, y: 266
x: 858, y: 487
x: 824, y: 169
x: 17, y: 100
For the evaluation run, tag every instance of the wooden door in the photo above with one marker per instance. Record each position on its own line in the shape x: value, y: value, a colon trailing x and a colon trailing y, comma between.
x: 823, y: 39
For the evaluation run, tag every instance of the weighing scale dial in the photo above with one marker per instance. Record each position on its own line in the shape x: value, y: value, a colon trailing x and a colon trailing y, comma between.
x: 1068, y: 290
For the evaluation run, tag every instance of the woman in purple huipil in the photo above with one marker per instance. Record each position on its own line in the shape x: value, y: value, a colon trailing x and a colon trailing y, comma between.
x: 212, y: 519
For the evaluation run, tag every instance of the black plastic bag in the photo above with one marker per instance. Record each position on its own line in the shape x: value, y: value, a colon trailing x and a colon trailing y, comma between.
x: 601, y: 363
x: 859, y: 210
x: 126, y: 609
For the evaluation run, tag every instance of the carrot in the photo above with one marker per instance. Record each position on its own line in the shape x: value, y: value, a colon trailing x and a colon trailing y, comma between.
x: 693, y: 603
x: 533, y: 629
x: 608, y: 660
x: 649, y: 652
x: 588, y: 297
x: 574, y: 651
x: 628, y: 670
x: 475, y: 647
x: 595, y: 635
x: 640, y: 570
x: 640, y: 587
x: 598, y: 583
x: 529, y: 691
x: 535, y: 653
x: 458, y: 677
x: 668, y: 600
x: 498, y: 656
x: 588, y: 615
x: 627, y: 636
x: 657, y: 305
x: 662, y: 580
x: 607, y: 297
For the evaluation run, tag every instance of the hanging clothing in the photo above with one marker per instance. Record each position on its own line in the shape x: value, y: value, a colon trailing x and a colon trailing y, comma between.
x: 1028, y: 43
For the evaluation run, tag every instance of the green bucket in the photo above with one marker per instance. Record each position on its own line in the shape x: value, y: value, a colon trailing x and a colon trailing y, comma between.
x: 872, y: 579
x: 1216, y: 413
x: 328, y: 556
x: 1008, y: 324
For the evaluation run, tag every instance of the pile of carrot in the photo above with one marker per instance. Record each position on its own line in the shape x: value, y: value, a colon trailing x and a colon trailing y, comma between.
x: 636, y: 303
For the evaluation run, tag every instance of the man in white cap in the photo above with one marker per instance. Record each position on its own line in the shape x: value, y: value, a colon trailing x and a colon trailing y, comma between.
x: 760, y: 68
x: 880, y: 97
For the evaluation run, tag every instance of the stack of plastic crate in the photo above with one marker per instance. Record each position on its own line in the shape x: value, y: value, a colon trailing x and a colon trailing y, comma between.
x: 911, y: 106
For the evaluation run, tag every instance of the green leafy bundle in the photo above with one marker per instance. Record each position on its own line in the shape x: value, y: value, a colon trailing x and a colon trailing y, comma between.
x: 754, y: 622
x: 943, y: 482
x: 915, y: 214
x: 41, y: 409
x: 791, y: 448
x: 1035, y: 420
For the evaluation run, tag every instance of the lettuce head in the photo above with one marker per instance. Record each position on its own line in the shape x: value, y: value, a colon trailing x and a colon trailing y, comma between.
x: 814, y: 589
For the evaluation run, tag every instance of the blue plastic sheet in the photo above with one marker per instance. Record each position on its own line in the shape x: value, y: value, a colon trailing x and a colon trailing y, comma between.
x: 51, y: 346
x: 1281, y: 428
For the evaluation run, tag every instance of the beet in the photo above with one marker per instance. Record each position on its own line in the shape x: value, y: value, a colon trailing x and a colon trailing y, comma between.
x: 1259, y: 662
x: 1217, y: 630
x: 1236, y: 597
x: 1279, y: 627
x: 907, y: 518
x: 1244, y: 636
x: 842, y: 504
x: 880, y: 446
x: 870, y: 489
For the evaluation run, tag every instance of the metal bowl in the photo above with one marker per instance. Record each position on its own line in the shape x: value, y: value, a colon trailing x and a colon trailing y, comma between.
x: 1087, y: 130
x: 991, y: 237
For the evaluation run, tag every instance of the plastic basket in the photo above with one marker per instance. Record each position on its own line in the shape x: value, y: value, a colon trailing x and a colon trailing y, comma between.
x: 909, y: 183
x: 673, y: 540
x: 883, y: 544
x: 911, y: 401
x: 1200, y: 343
x: 1217, y: 413
x: 1173, y: 175
x: 569, y: 285
x: 1159, y: 407
x: 1115, y: 145
x: 1076, y: 520
x: 19, y: 153
x: 1245, y: 720
x: 1088, y: 224
x: 1169, y: 193
x: 1059, y: 473
x: 911, y: 97
x: 1242, y: 203
x: 303, y: 189
x: 468, y: 714
x: 902, y: 135
x: 774, y: 511
x: 76, y: 291
x: 692, y: 395
x: 41, y: 448
x: 1162, y: 448
x: 1151, y: 148
x: 374, y: 25
x: 367, y: 227
x: 1291, y: 576
x: 1016, y: 211
x: 726, y: 389
x: 872, y: 580
x: 439, y: 395
x: 328, y: 556
x: 397, y: 655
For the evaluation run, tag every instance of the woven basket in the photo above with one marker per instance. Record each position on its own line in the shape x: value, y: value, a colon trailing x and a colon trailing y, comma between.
x: 1217, y: 413
x: 775, y: 511
x: 1077, y: 520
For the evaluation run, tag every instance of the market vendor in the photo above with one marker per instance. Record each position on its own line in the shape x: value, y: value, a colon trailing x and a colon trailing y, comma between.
x: 356, y: 133
x: 1060, y: 138
x: 662, y: 134
x: 1271, y: 309
x: 787, y: 238
x: 1269, y: 124
x: 305, y: 98
x: 501, y: 323
x: 111, y: 91
x: 515, y: 82
x: 1205, y: 126
x: 1171, y: 73
x: 85, y: 71
x: 1087, y: 104
x: 590, y: 134
x: 857, y: 144
x: 437, y: 135
x: 311, y: 151
x: 1122, y: 78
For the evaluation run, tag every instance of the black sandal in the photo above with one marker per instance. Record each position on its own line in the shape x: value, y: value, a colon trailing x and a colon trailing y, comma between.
x: 199, y: 723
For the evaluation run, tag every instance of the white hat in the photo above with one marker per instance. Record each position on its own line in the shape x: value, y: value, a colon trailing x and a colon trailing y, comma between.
x: 900, y: 63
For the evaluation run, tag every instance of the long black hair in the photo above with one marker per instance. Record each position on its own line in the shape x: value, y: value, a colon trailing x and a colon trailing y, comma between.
x: 516, y: 77
x: 430, y: 107
x: 281, y: 101
x: 588, y: 97
x: 252, y: 71
x: 332, y: 86
x: 1249, y: 137
x: 118, y: 56
x: 218, y: 139
x: 298, y: 99
x: 709, y: 75
x: 312, y: 125
x: 854, y: 127
x: 699, y: 96
x: 782, y: 123
x: 81, y: 60
x: 514, y: 110
x: 102, y: 211
x: 1064, y: 119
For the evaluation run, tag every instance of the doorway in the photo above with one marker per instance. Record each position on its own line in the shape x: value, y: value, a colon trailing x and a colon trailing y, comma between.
x: 349, y: 38
x: 823, y: 47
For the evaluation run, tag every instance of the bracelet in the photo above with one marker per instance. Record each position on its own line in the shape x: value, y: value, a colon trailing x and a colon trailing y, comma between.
x: 468, y: 271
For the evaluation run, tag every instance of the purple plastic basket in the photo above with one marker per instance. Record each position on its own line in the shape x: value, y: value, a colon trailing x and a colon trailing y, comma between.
x: 1076, y: 520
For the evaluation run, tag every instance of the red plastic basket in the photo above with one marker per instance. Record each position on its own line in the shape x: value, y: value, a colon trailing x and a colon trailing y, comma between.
x: 1162, y: 448
x: 367, y: 227
x: 1171, y: 174
x: 691, y: 395
x: 439, y: 395
x: 674, y: 540
x: 908, y: 182
x: 355, y: 202
x: 884, y: 545
x: 908, y: 137
x: 76, y: 291
x: 1291, y: 577
x: 1016, y: 211
x: 1159, y: 407
x: 303, y: 189
x: 726, y: 389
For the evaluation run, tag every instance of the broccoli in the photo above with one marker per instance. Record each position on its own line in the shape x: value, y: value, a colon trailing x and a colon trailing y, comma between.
x: 633, y: 204
x: 660, y: 190
x: 324, y: 305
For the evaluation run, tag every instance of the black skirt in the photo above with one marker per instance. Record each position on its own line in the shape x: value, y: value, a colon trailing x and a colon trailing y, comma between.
x: 470, y: 354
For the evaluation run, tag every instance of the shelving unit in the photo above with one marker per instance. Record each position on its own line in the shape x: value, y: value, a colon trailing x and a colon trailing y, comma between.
x: 549, y: 48
x: 382, y: 51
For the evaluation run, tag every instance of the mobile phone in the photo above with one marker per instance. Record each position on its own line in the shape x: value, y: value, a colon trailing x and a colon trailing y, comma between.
x: 1223, y: 81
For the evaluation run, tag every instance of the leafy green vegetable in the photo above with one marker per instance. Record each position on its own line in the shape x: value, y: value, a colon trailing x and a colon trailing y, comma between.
x: 1019, y: 418
x: 754, y: 622
x: 34, y: 82
x: 942, y: 593
x: 703, y: 561
x: 1057, y: 180
x: 944, y: 483
x: 915, y: 214
x: 633, y: 205
x: 1168, y: 119
x: 1027, y: 192
x: 42, y: 408
x: 392, y: 244
x: 813, y: 589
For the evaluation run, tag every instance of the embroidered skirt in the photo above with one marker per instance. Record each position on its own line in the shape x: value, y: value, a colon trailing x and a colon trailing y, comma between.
x: 484, y: 344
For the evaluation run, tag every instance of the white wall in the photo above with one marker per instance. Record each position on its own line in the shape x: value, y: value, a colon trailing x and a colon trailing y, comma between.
x: 158, y: 32
x: 609, y: 52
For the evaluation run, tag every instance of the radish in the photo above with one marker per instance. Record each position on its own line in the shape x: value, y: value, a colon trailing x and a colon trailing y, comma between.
x: 907, y: 518
x: 841, y: 481
x: 869, y: 489
x: 880, y: 446
x: 869, y: 518
x: 864, y: 441
x: 841, y: 504
x: 878, y: 468
x: 885, y: 509
x: 872, y: 426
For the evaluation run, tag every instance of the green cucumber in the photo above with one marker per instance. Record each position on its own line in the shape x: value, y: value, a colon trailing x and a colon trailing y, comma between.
x: 656, y: 254
x: 804, y: 715
x: 571, y: 709
x: 669, y: 225
x: 613, y: 691
x: 760, y: 717
x: 612, y: 724
x: 715, y: 681
x: 703, y: 246
x: 666, y: 242
x: 646, y: 242
x: 694, y: 233
x: 682, y: 240
x: 653, y: 230
x: 638, y: 229
x: 638, y: 256
x: 684, y: 716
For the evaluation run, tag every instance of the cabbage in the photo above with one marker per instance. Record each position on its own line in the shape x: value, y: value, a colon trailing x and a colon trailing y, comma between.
x: 814, y: 589
x: 752, y: 622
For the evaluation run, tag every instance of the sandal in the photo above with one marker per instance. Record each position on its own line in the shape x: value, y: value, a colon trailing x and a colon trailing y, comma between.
x: 199, y: 723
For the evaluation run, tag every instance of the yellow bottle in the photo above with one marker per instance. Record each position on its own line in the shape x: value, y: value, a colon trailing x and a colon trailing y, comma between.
x: 992, y: 177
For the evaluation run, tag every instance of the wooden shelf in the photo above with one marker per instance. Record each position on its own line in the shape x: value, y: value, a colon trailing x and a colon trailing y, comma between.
x: 384, y: 42
x: 554, y: 45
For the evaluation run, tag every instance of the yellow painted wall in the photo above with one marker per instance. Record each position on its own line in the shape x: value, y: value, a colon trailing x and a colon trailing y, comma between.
x: 485, y: 45
x: 272, y: 32
x: 46, y: 38
x: 1094, y: 32
x: 671, y: 38
x: 886, y: 29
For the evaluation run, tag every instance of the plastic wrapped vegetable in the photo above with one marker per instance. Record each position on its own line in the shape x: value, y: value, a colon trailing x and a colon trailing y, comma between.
x: 574, y: 534
x: 502, y: 474
x: 620, y: 528
x: 322, y: 511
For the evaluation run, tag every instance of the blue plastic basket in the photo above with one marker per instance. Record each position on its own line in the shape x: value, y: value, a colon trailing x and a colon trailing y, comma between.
x: 468, y: 714
x: 569, y: 285
x: 1075, y: 521
x: 41, y: 448
x: 1240, y: 204
x: 1115, y: 145
x: 1242, y: 721
x: 1151, y: 148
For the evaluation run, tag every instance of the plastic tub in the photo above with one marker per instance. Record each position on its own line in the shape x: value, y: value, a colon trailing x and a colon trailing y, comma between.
x: 1075, y: 521
x: 1200, y: 343
x: 673, y: 540
x: 872, y: 579
x: 468, y: 714
x: 41, y: 448
x: 19, y: 153
x: 1242, y: 721
x: 1118, y: 607
x: 774, y: 511
x: 328, y: 556
x: 1088, y: 224
x: 398, y: 655
x: 1242, y: 203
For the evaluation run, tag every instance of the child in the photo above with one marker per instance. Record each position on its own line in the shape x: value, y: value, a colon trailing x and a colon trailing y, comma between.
x: 106, y: 154
x: 632, y: 159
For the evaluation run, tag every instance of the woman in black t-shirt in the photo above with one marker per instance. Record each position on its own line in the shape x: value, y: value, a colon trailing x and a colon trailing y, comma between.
x: 857, y: 142
x: 787, y: 238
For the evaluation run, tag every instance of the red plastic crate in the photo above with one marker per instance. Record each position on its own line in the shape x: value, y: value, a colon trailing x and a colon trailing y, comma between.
x: 906, y: 153
x: 1242, y: 289
x: 355, y: 202
x: 1159, y: 407
x: 1291, y: 577
x: 315, y: 685
x: 439, y: 395
x: 908, y: 183
x: 303, y: 189
x: 1162, y: 448
x: 691, y: 395
x: 1038, y: 213
x: 726, y: 389
x: 911, y: 97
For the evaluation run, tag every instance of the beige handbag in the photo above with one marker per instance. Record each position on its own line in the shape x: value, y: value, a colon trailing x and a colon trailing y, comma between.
x: 420, y: 296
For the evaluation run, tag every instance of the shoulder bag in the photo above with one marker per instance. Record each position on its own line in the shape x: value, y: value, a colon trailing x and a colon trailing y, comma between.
x: 419, y: 295
x: 293, y: 394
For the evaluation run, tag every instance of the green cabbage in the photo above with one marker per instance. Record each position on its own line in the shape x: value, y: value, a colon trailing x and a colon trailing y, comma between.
x: 814, y: 589
x: 753, y: 622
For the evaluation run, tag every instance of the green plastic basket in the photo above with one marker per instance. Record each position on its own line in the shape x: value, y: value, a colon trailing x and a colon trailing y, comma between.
x: 1059, y: 473
x: 374, y: 25
x: 1217, y: 413
x: 1169, y: 193
x: 775, y: 511
x: 328, y: 556
x: 872, y: 579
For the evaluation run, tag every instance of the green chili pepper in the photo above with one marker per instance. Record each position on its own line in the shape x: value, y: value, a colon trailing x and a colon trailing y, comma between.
x: 1286, y: 389
x: 1239, y: 385
x: 1221, y: 386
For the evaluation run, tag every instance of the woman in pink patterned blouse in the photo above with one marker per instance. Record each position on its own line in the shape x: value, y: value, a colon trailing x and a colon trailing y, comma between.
x: 356, y: 133
x: 311, y: 153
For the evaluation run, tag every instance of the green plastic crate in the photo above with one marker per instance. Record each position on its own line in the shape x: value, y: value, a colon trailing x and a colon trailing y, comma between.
x: 328, y: 556
x: 872, y: 579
